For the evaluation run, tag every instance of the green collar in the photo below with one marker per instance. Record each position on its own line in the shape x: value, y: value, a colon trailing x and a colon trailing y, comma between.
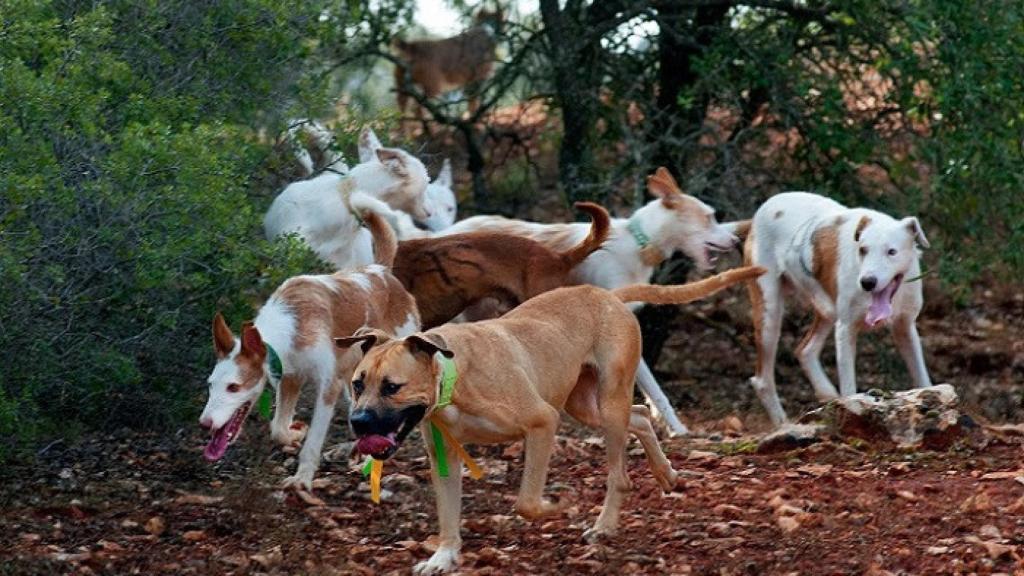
x: 449, y: 375
x: 638, y: 233
x: 274, y: 363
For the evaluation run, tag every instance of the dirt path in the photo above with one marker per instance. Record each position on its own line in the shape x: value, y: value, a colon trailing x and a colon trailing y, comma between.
x: 128, y: 504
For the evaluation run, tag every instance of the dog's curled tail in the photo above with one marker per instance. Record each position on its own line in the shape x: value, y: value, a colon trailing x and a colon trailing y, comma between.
x: 385, y: 244
x: 684, y: 293
x: 600, y: 225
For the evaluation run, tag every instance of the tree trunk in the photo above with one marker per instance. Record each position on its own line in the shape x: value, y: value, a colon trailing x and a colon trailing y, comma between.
x: 577, y: 87
x: 685, y: 32
x: 475, y: 165
x: 679, y: 44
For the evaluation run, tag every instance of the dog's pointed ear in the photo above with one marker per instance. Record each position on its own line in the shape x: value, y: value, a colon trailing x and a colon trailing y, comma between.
x: 916, y: 231
x: 252, y: 342
x: 393, y: 159
x: 366, y: 338
x: 428, y: 344
x: 444, y: 177
x: 861, y: 225
x: 662, y: 185
x: 368, y: 144
x: 223, y: 339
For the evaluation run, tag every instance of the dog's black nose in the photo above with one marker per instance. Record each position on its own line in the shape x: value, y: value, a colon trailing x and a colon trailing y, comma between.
x: 363, y: 422
x: 868, y: 283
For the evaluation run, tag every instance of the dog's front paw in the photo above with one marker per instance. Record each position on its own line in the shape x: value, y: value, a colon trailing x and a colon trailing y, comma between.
x: 292, y: 436
x: 595, y: 534
x: 444, y: 560
x: 302, y: 480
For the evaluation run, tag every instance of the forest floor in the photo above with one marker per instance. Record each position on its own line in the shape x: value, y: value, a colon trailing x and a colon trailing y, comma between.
x: 137, y: 503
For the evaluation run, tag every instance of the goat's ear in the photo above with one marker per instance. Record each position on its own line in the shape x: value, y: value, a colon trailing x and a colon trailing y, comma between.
x: 393, y: 159
x: 366, y: 338
x: 916, y: 231
x: 444, y: 177
x: 368, y: 145
x: 428, y: 344
x: 252, y: 342
x: 223, y: 339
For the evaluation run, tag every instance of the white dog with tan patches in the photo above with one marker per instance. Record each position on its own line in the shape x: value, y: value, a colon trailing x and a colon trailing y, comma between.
x: 672, y: 222
x: 322, y: 209
x: 858, y: 269
x: 291, y: 342
x: 440, y: 198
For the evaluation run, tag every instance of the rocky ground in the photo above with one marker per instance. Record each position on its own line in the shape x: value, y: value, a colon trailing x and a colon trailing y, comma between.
x: 131, y: 503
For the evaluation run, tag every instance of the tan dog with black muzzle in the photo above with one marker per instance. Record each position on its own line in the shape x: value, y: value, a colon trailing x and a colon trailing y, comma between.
x: 574, y: 349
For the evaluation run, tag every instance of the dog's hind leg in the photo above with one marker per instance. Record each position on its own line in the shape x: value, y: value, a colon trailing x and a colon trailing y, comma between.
x: 539, y: 442
x: 616, y: 413
x: 659, y: 403
x: 908, y: 342
x: 449, y: 509
x: 640, y: 426
x: 767, y: 307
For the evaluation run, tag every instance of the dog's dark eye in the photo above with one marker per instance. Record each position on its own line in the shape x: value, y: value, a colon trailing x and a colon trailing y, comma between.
x: 390, y: 389
x: 863, y: 251
x: 892, y: 252
x: 357, y: 387
x: 234, y: 388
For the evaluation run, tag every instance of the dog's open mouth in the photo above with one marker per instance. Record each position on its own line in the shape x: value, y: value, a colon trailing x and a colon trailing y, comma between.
x: 380, y: 447
x: 384, y: 444
x: 712, y: 250
x: 225, y: 435
x: 880, y: 309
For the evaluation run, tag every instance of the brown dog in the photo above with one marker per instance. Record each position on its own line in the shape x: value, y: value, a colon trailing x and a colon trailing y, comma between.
x: 439, y: 66
x: 450, y: 273
x: 574, y: 349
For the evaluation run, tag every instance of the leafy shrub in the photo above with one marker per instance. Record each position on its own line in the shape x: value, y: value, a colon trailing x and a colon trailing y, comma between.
x: 127, y: 207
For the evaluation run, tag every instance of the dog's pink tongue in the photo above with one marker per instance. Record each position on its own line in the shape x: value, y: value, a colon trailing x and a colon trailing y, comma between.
x: 218, y: 445
x: 881, y: 307
x: 375, y: 444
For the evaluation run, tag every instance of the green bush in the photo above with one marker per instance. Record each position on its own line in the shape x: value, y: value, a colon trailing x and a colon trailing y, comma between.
x: 128, y: 210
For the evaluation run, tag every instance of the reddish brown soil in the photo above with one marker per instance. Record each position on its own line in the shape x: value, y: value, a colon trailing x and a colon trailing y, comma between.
x: 830, y: 509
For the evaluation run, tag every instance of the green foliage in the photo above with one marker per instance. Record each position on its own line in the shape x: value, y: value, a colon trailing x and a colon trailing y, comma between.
x: 129, y: 201
x: 907, y: 107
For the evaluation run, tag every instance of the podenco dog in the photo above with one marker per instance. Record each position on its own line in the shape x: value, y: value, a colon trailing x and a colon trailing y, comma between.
x: 572, y: 349
x: 322, y: 209
x: 448, y: 274
x: 291, y: 342
x: 672, y: 222
x: 857, y: 268
x: 440, y: 197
